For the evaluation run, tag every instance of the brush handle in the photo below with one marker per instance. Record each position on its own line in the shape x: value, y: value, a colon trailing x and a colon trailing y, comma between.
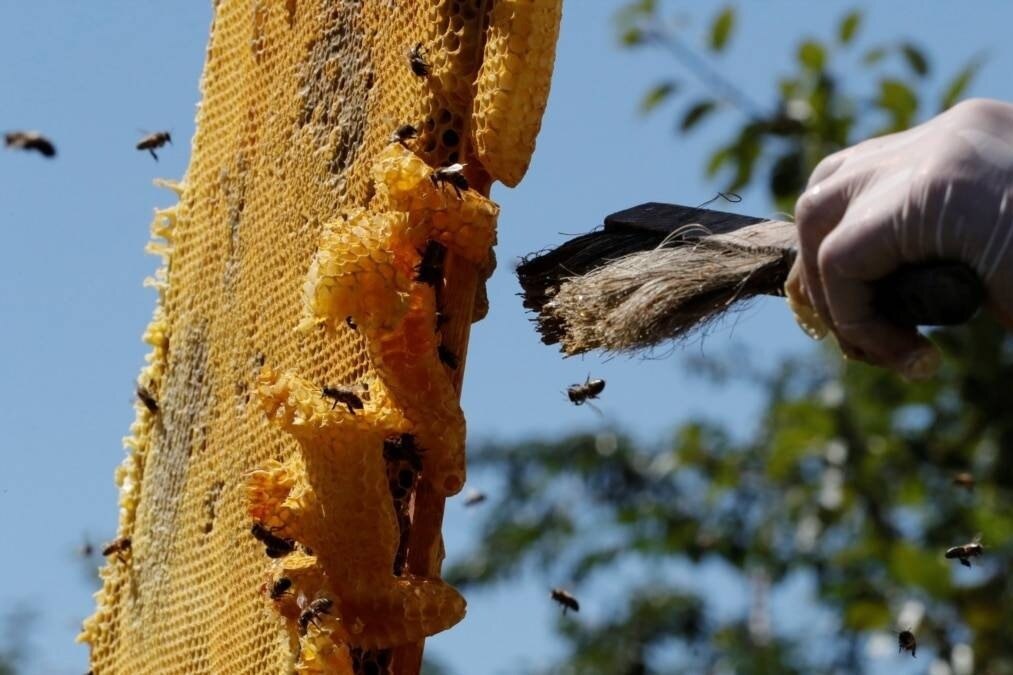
x: 940, y: 293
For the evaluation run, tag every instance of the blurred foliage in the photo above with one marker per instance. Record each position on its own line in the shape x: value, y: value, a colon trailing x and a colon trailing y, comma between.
x: 815, y: 111
x: 17, y: 627
x: 846, y: 483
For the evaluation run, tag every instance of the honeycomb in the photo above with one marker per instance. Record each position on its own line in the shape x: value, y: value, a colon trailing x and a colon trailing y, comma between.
x: 284, y: 495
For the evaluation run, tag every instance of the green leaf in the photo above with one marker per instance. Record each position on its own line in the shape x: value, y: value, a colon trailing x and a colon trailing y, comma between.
x: 874, y: 56
x: 721, y: 29
x: 812, y: 55
x: 787, y: 176
x: 915, y: 58
x: 848, y: 27
x: 696, y: 113
x: 631, y: 37
x: 657, y: 95
x: 718, y: 159
x: 899, y: 100
x: 746, y: 151
x: 957, y: 87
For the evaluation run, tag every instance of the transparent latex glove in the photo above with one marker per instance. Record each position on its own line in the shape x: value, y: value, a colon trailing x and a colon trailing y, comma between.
x: 942, y: 190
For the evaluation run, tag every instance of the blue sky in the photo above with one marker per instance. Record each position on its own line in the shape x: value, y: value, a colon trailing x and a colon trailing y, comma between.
x: 71, y: 265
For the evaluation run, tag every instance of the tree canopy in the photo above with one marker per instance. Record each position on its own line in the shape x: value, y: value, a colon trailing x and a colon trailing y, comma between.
x: 855, y: 482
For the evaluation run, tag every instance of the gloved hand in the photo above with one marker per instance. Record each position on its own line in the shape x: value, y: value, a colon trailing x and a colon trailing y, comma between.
x: 942, y: 190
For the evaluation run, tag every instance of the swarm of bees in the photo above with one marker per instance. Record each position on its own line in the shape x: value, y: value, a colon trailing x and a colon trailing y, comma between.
x: 580, y: 394
x: 965, y: 552
x: 153, y: 141
x: 565, y: 600
x: 907, y: 642
x: 30, y: 140
x: 452, y: 175
x: 118, y: 547
x: 417, y: 61
x: 345, y: 396
x: 274, y: 546
x: 316, y: 609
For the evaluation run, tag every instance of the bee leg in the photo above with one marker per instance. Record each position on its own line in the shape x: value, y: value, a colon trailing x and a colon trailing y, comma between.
x: 965, y: 562
x: 152, y: 151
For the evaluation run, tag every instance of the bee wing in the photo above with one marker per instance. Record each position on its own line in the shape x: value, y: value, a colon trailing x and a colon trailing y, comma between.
x: 977, y: 540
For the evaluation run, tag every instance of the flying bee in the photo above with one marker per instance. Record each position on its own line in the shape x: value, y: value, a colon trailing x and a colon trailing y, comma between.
x: 452, y: 175
x: 117, y: 547
x: 448, y: 357
x: 344, y: 395
x: 145, y: 397
x: 429, y: 271
x: 966, y: 552
x: 907, y: 642
x: 155, y: 140
x: 474, y: 498
x: 30, y: 140
x: 404, y: 133
x: 964, y: 480
x: 580, y: 393
x: 280, y: 587
x: 565, y: 599
x: 275, y: 546
x: 417, y: 60
x: 86, y: 549
x: 310, y: 615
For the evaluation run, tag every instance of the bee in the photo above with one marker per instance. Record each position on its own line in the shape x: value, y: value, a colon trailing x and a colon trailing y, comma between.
x: 343, y: 395
x: 429, y: 271
x: 312, y: 613
x: 145, y: 397
x: 565, y: 599
x: 403, y: 133
x: 280, y: 587
x: 30, y: 140
x: 417, y: 60
x: 448, y: 357
x: 966, y: 552
x: 350, y: 322
x: 907, y: 642
x: 117, y: 547
x: 450, y: 175
x: 964, y: 480
x: 155, y: 140
x: 402, y: 449
x: 474, y: 498
x: 275, y: 546
x: 580, y: 393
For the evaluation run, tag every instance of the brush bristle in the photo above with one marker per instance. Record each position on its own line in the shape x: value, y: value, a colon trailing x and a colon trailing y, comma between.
x: 644, y: 299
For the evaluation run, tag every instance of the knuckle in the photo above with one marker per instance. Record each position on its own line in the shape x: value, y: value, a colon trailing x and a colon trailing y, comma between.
x: 812, y: 209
